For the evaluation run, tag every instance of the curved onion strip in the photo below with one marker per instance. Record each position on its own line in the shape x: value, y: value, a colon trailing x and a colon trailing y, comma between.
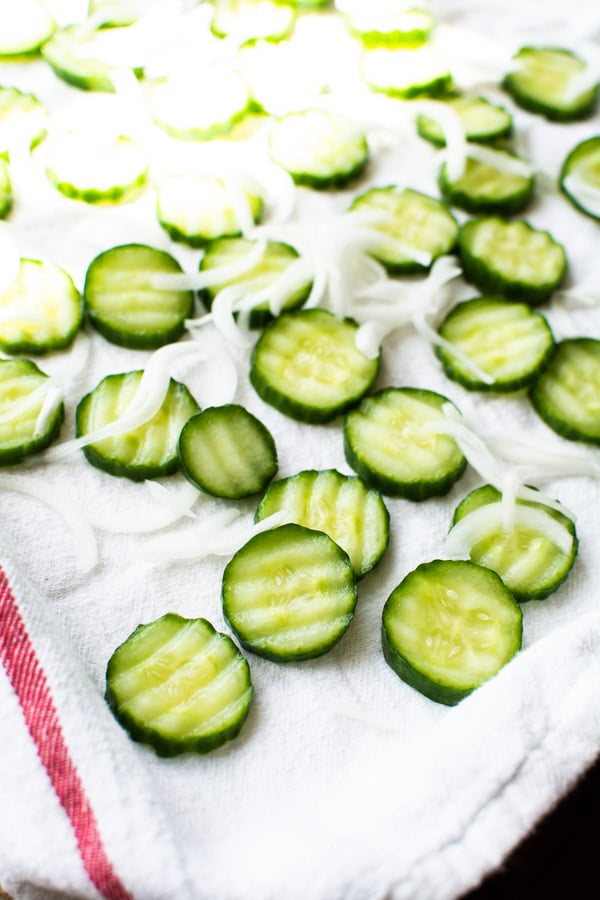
x: 369, y: 338
x: 473, y: 447
x: 584, y: 81
x: 541, y: 460
x: 222, y: 314
x: 456, y: 151
x: 170, y: 507
x: 20, y: 407
x: 84, y: 540
x: 502, y: 162
x: 431, y: 335
x: 53, y: 399
x: 239, y: 201
x: 585, y: 194
x: 489, y: 518
x: 192, y: 281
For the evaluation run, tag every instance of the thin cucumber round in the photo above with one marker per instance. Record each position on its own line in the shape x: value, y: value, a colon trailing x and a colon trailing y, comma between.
x: 78, y: 57
x: 277, y: 258
x: 319, y: 149
x: 145, y: 452
x: 84, y: 166
x: 179, y: 686
x: 23, y: 119
x: 450, y: 626
x: 579, y: 177
x: 26, y: 26
x: 116, y: 13
x: 6, y: 195
x: 508, y: 341
x: 390, y: 442
x: 405, y: 72
x: 541, y: 83
x: 482, y: 121
x: 25, y: 428
x: 200, y: 114
x: 343, y: 506
x: 122, y: 303
x: 528, y: 561
x: 377, y: 28
x: 41, y: 311
x: 253, y: 20
x: 485, y: 189
x: 227, y: 452
x: 197, y: 209
x: 306, y: 364
x: 289, y: 593
x: 566, y: 395
x: 511, y: 258
x: 416, y: 220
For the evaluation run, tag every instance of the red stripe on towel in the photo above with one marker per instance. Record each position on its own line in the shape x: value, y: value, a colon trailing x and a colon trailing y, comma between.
x: 31, y: 687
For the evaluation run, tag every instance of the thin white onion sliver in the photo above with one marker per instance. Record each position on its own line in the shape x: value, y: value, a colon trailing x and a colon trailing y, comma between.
x: 502, y: 162
x: 170, y: 506
x: 191, y: 281
x: 54, y: 397
x: 456, y: 150
x: 488, y: 518
x: 584, y: 193
x: 584, y: 81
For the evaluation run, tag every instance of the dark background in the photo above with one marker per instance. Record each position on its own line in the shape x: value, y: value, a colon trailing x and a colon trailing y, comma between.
x: 559, y: 856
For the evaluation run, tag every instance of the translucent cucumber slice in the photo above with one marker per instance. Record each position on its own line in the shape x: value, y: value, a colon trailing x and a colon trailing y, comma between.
x: 390, y: 441
x: 306, y: 364
x: 87, y: 58
x: 188, y: 111
x: 343, y: 506
x: 118, y: 13
x: 319, y: 149
x: 6, y: 194
x: 406, y: 72
x: 450, y: 626
x: 275, y: 262
x: 197, y: 209
x: 544, y: 81
x: 377, y: 27
x: 527, y: 559
x: 26, y: 25
x: 566, y: 395
x: 41, y: 311
x: 179, y: 685
x: 415, y: 220
x: 145, y: 452
x: 227, y: 452
x: 511, y: 258
x: 579, y: 177
x: 125, y: 307
x: 507, y: 340
x: 23, y: 120
x: 95, y: 169
x: 28, y: 424
x: 481, y: 121
x: 289, y: 593
x: 489, y: 187
x: 252, y: 20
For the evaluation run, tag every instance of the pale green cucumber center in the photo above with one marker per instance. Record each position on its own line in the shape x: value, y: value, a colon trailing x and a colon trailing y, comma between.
x: 317, y: 143
x: 200, y: 206
x: 40, y: 306
x: 180, y: 106
x: 402, y: 69
x: 21, y: 399
x: 545, y: 74
x: 570, y: 387
x: 27, y: 26
x: 482, y: 180
x: 517, y: 252
x: 87, y: 163
x: 477, y: 117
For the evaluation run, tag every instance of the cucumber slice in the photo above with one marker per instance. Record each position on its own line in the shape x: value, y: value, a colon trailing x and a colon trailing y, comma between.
x: 306, y: 364
x: 528, y: 561
x: 6, y: 195
x: 489, y: 187
x: 95, y: 169
x: 567, y: 393
x: 41, y: 311
x: 252, y: 20
x: 406, y: 72
x: 343, y: 506
x: 482, y: 121
x: 83, y: 58
x: 511, y: 258
x: 389, y: 442
x: 289, y: 593
x: 201, y: 114
x: 23, y: 119
x: 543, y: 83
x: 179, y: 685
x: 227, y: 452
x: 507, y: 340
x: 448, y: 627
x: 117, y: 13
x: 416, y: 220
x: 25, y: 426
x: 387, y: 27
x: 319, y: 149
x: 579, y: 177
x: 277, y: 258
x: 196, y: 209
x: 26, y: 26
x: 124, y: 306
x: 146, y: 452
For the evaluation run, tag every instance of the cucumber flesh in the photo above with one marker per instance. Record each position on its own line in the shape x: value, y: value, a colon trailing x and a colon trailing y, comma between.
x: 252, y: 20
x: 579, y: 177
x: 81, y: 58
x: 124, y: 306
x: 389, y: 441
x: 179, y: 686
x: 23, y: 120
x: 25, y: 28
x: 405, y: 72
x: 149, y: 451
x: 201, y: 114
x: 94, y: 169
x: 391, y: 28
x: 306, y: 364
x: 566, y: 395
x: 23, y: 392
x: 289, y: 593
x: 343, y: 506
x: 227, y: 452
x: 529, y: 563
x: 448, y: 627
x: 542, y: 81
x: 481, y: 121
x: 486, y: 189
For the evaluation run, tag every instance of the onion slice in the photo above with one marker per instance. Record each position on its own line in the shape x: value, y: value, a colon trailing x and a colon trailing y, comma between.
x: 169, y: 507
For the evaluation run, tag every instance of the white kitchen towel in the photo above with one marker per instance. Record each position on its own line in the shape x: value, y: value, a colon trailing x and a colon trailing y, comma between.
x: 345, y: 783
